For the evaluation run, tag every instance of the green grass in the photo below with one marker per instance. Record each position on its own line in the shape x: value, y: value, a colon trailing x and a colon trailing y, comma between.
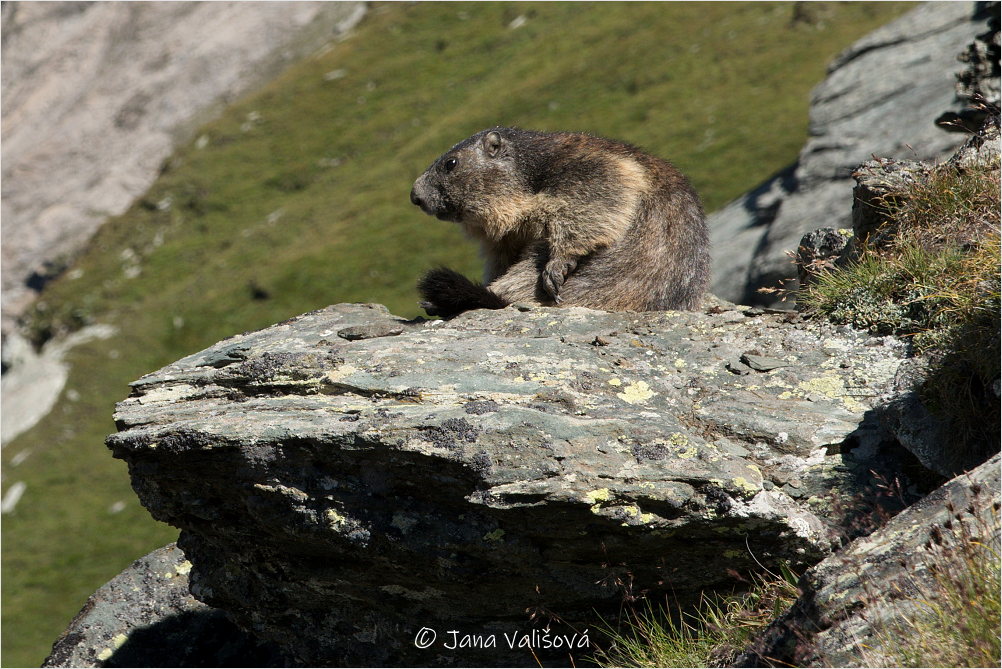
x: 711, y: 635
x: 300, y: 192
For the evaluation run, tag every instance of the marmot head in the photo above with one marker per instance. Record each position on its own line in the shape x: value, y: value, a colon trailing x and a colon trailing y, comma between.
x: 477, y: 182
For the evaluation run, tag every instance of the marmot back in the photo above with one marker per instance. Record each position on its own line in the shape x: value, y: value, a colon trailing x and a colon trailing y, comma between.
x: 569, y: 219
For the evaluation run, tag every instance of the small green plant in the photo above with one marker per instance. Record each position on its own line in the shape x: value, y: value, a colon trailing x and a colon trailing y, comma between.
x: 952, y: 620
x: 710, y: 635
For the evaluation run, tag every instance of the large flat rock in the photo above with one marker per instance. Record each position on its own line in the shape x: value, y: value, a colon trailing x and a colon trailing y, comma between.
x: 347, y: 478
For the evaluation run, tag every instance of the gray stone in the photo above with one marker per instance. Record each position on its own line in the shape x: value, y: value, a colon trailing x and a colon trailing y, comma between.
x: 820, y: 251
x: 881, y: 97
x: 369, y: 331
x: 878, y: 182
x: 915, y: 427
x: 145, y: 617
x: 500, y: 471
x: 761, y: 363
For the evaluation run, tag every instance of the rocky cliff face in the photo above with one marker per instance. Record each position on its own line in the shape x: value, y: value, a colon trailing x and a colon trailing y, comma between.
x: 882, y: 97
x: 95, y: 96
x: 347, y: 479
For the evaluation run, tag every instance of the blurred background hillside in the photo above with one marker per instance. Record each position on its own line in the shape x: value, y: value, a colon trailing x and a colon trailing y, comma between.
x: 295, y: 196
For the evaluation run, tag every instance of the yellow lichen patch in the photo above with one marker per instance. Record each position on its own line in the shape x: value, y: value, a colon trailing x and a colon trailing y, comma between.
x: 615, y: 382
x: 105, y: 654
x: 832, y: 387
x: 184, y: 567
x: 494, y: 536
x: 683, y: 449
x: 119, y: 640
x: 636, y: 393
x: 828, y: 386
x: 340, y: 373
x: 335, y: 519
x: 635, y: 511
x: 679, y: 363
x: 853, y: 405
x: 600, y: 495
x: 744, y: 484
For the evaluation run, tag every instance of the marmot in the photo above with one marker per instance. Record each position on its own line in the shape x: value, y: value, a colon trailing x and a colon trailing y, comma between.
x: 566, y: 218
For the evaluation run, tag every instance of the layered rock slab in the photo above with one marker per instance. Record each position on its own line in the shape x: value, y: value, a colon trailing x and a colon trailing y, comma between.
x: 857, y: 604
x: 346, y: 479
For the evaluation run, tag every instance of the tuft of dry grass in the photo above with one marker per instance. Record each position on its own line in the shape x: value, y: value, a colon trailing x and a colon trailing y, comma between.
x: 710, y: 635
x: 952, y: 620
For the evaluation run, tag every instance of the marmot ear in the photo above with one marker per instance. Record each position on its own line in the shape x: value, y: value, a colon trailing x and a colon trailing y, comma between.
x: 492, y: 143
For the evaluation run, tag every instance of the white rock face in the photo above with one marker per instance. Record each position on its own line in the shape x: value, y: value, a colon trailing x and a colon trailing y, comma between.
x: 96, y: 95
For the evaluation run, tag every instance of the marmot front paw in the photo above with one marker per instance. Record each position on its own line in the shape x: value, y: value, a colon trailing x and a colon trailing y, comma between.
x: 555, y: 273
x: 448, y: 293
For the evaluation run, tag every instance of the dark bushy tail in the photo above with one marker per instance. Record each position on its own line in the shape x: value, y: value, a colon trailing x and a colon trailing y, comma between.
x: 448, y: 293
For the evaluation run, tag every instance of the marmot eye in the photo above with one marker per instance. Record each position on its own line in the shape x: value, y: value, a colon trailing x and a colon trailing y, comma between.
x: 450, y: 164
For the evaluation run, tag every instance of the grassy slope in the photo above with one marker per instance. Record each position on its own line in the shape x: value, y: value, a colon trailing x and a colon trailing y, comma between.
x: 308, y: 203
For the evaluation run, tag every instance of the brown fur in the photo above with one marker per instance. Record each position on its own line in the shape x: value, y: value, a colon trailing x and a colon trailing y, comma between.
x: 568, y: 218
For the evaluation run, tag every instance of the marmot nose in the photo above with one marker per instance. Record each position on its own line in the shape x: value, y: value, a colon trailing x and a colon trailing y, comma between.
x: 416, y: 200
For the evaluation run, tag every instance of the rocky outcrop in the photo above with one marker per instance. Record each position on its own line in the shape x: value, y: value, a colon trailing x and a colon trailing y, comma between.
x: 356, y: 487
x: 96, y: 95
x: 854, y: 602
x: 145, y: 617
x: 904, y: 413
x: 881, y: 97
